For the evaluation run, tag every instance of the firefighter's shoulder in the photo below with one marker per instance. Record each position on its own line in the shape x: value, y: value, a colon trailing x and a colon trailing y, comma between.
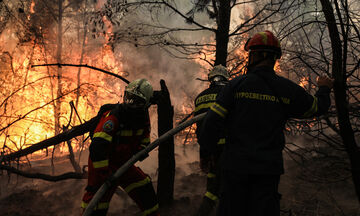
x: 108, y: 122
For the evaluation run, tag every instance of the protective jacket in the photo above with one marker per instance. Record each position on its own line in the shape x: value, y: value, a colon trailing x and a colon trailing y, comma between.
x: 203, y: 102
x: 120, y: 134
x: 254, y: 109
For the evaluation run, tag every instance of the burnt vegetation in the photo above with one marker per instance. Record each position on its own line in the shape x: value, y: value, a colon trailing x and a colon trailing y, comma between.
x: 49, y: 109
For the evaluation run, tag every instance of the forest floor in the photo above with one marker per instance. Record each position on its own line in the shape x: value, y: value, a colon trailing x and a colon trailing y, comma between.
x: 32, y: 197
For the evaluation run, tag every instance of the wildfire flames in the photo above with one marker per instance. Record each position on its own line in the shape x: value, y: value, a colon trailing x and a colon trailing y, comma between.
x: 31, y: 97
x: 28, y: 94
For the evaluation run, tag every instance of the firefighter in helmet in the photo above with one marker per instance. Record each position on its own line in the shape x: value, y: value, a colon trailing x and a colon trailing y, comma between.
x: 120, y: 133
x: 218, y: 78
x: 253, y: 109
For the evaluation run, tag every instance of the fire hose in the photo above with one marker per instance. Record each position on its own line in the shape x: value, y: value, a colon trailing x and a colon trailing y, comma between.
x: 112, y: 179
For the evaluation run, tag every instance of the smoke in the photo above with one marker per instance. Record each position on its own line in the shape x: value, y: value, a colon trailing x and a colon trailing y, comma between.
x: 154, y: 64
x: 146, y: 53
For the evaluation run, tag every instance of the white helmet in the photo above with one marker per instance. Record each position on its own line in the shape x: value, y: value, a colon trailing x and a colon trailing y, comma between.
x: 218, y: 70
x: 138, y: 93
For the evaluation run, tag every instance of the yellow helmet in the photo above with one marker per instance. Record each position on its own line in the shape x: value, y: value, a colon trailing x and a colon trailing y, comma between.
x: 138, y: 93
x: 218, y: 70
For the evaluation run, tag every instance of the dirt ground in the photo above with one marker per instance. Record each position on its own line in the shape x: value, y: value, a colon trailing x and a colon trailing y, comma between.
x: 31, y: 197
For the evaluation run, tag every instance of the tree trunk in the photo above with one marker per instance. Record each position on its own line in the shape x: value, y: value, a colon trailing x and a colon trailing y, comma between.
x: 222, y: 33
x: 166, y: 175
x: 57, y: 102
x: 81, y: 61
x: 59, y: 71
x: 341, y: 102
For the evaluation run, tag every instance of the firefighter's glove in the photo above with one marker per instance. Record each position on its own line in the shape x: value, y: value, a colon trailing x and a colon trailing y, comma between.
x: 206, y: 163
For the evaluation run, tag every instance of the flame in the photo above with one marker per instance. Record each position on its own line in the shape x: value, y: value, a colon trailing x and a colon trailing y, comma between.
x: 238, y: 64
x: 32, y: 7
x: 27, y: 93
x: 304, y: 81
x: 277, y: 67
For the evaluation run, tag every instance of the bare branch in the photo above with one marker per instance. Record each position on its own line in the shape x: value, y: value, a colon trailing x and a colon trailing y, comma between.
x: 73, y: 132
x: 68, y: 175
x: 87, y: 66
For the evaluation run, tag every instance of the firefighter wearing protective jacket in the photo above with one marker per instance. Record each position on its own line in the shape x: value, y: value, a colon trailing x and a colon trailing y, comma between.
x: 254, y: 109
x: 121, y: 133
x: 218, y: 78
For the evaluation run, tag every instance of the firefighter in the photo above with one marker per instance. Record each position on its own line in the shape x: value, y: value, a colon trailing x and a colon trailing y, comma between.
x: 254, y: 109
x: 119, y: 134
x: 218, y: 78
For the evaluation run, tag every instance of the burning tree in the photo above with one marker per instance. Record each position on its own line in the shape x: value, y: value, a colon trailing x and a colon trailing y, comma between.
x: 35, y: 102
x: 210, y: 32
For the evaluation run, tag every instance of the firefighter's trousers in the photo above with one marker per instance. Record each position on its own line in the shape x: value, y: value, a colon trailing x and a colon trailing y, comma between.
x: 211, y: 196
x: 249, y: 195
x: 135, y: 182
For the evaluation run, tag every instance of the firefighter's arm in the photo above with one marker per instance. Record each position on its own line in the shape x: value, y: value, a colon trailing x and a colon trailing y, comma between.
x: 145, y: 138
x: 99, y: 147
x: 213, y: 126
x: 325, y: 85
x: 209, y: 133
x: 307, y: 106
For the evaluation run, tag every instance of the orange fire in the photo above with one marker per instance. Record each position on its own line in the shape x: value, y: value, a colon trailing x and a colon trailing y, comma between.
x: 304, y: 81
x: 27, y: 95
x: 32, y: 7
x: 239, y: 60
x: 187, y: 136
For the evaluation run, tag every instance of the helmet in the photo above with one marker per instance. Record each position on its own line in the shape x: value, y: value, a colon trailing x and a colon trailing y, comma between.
x: 265, y: 42
x: 138, y: 93
x: 218, y: 70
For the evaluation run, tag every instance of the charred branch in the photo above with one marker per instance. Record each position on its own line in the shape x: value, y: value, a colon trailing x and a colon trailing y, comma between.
x: 68, y: 175
x: 62, y: 137
x: 68, y: 142
x: 87, y: 66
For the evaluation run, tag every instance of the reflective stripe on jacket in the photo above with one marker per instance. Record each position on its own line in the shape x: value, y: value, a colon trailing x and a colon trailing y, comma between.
x: 254, y: 109
x: 119, y: 130
x: 203, y: 102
